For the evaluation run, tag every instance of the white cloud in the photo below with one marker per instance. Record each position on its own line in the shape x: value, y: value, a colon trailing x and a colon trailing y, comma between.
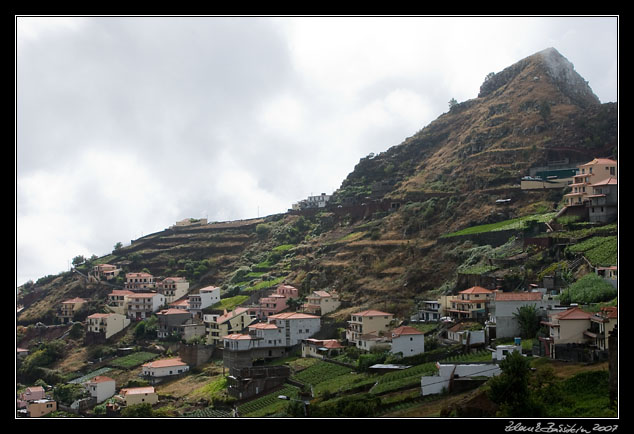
x: 128, y: 124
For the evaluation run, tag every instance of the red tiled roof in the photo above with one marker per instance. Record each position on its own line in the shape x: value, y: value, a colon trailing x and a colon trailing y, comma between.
x: 99, y: 315
x: 172, y: 311
x: 405, y: 330
x: 476, y: 290
x: 574, y: 313
x: 100, y: 379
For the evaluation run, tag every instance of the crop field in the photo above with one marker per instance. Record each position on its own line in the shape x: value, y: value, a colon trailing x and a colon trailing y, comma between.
x: 268, y: 404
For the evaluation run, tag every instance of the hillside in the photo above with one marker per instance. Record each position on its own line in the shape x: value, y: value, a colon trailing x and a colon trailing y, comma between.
x: 383, y: 240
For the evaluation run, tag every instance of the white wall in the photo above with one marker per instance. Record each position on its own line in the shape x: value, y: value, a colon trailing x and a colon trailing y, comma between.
x: 409, y: 345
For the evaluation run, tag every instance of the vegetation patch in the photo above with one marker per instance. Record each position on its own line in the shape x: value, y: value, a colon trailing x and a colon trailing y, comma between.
x: 516, y: 223
x: 600, y: 251
x: 132, y: 360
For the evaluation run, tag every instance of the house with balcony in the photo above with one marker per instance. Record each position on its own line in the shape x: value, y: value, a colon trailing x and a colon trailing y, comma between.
x: 295, y: 326
x: 104, y: 272
x: 321, y: 302
x: 173, y: 288
x: 570, y: 333
x: 30, y: 394
x: 178, y: 322
x: 429, y: 311
x: 471, y: 303
x: 139, y: 282
x: 102, y: 326
x: 601, y: 325
x: 273, y: 303
x: 321, y: 348
x: 267, y: 306
x: 267, y: 340
x: 142, y: 305
x: 367, y: 322
x: 287, y: 291
x: 603, y: 202
x: 218, y: 326
x: 182, y: 304
x: 68, y: 308
x: 591, y: 173
x: 118, y: 300
x: 207, y: 296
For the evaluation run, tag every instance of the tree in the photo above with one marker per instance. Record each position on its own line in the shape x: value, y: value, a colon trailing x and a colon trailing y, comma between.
x: 138, y: 410
x: 118, y: 246
x: 511, y: 389
x: 78, y: 260
x: 528, y: 319
x: 452, y: 103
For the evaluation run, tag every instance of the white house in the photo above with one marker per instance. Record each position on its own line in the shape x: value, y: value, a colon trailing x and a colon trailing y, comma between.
x: 407, y: 341
x: 164, y: 367
x: 142, y: 305
x: 295, y: 326
x: 505, y: 305
x: 501, y: 351
x: 101, y: 387
x: 173, y: 288
x: 206, y: 297
x: 434, y: 384
x: 106, y: 324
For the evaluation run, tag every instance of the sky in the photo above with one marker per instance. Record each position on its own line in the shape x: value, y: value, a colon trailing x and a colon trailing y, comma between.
x: 125, y: 125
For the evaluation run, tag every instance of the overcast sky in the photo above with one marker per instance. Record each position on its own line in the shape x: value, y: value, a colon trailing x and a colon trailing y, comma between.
x: 125, y: 125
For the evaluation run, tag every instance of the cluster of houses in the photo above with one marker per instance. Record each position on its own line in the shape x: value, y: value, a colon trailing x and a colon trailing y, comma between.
x: 36, y: 401
x: 593, y: 185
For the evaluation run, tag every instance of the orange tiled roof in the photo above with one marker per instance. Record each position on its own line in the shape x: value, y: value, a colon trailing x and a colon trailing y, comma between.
x: 574, y: 313
x: 164, y: 363
x: 476, y: 290
x: 609, y: 181
x: 75, y: 300
x: 137, y: 390
x: 372, y: 313
x: 518, y: 296
x: 263, y: 325
x: 405, y: 330
x: 237, y: 337
x: 100, y: 379
x: 292, y: 315
x: 121, y: 292
x: 599, y: 161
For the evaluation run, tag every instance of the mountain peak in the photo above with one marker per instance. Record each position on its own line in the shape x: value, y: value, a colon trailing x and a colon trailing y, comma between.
x: 551, y: 64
